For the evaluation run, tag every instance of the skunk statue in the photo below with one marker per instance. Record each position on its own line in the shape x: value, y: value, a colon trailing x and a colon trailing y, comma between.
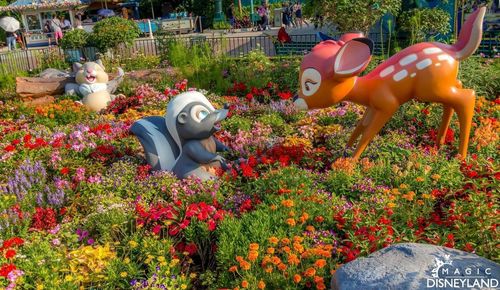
x: 182, y: 141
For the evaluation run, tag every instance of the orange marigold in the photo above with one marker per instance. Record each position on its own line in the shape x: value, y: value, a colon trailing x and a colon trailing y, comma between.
x: 261, y: 285
x: 310, y: 229
x: 287, y: 203
x: 275, y: 260
x: 273, y: 240
x: 320, y: 286
x: 297, y: 278
x: 285, y: 241
x: 254, y: 246
x: 245, y: 265
x: 244, y: 284
x: 286, y: 249
x: 320, y: 263
x: 270, y: 250
x: 282, y: 267
x: 310, y: 272
x: 318, y: 279
x: 233, y: 269
x: 269, y: 269
x: 293, y: 259
x: 253, y: 255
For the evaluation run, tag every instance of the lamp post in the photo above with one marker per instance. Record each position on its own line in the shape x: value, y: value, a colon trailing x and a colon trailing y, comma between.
x: 219, y: 16
x: 251, y: 11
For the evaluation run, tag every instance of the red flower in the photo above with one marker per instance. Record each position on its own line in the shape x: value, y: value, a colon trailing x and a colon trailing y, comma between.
x: 44, y: 219
x: 285, y: 95
x: 65, y: 171
x: 15, y: 241
x: 191, y: 248
x: 249, y: 96
x: 156, y: 229
x: 10, y: 254
x: 468, y: 247
x: 211, y: 225
x: 9, y: 148
x: 6, y: 269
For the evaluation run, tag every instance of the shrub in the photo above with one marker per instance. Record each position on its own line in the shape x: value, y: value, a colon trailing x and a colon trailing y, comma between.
x: 112, y: 32
x: 76, y: 38
x: 423, y: 23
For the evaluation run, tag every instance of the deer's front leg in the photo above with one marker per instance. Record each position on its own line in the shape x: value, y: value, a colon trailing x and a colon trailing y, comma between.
x: 377, y: 121
x: 365, y: 120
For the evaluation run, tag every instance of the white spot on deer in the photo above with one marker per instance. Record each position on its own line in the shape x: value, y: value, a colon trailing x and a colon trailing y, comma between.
x: 432, y: 50
x: 446, y: 57
x: 387, y: 71
x: 408, y: 59
x: 400, y: 75
x: 413, y: 75
x: 438, y: 64
x: 424, y: 63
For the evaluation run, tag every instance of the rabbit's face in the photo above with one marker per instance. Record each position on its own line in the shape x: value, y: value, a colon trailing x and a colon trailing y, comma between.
x: 90, y: 73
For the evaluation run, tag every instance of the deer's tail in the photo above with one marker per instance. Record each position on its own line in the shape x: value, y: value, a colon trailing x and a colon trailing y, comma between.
x: 470, y: 35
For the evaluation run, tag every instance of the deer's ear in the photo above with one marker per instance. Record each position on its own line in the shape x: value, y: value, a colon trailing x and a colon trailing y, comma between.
x: 353, y: 57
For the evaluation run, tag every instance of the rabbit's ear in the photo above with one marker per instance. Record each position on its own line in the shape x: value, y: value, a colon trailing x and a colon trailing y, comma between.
x: 77, y: 66
x: 99, y: 62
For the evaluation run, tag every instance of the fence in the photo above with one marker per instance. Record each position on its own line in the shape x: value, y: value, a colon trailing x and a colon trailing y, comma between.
x: 234, y: 46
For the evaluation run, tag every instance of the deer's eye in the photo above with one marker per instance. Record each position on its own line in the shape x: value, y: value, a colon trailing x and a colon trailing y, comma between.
x: 310, y: 81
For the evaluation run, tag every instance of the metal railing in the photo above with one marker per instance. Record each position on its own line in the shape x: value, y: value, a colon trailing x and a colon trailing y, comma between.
x: 232, y: 46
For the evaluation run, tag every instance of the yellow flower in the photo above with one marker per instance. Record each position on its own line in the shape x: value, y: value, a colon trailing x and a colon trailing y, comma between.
x: 391, y: 205
x: 39, y: 287
x: 419, y: 179
x: 123, y: 274
x: 174, y: 262
x: 192, y: 275
x: 126, y: 260
x: 183, y: 286
x: 436, y: 177
x: 161, y: 258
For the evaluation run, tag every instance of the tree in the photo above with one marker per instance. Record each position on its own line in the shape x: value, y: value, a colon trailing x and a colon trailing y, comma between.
x: 423, y: 23
x: 112, y: 32
x: 353, y: 15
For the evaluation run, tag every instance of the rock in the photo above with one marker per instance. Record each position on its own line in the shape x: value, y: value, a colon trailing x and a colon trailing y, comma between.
x: 54, y: 73
x: 418, y: 266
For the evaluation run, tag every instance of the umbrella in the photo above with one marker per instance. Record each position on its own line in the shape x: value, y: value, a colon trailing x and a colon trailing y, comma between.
x: 9, y: 24
x: 106, y: 12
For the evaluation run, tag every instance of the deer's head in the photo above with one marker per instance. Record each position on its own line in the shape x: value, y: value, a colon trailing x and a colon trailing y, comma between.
x: 328, y: 73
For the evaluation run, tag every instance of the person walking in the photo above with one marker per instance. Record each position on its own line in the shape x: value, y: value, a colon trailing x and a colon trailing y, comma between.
x: 285, y: 15
x: 298, y: 15
x: 230, y: 16
x: 47, y: 29
x: 11, y: 40
x: 263, y: 17
x: 56, y: 27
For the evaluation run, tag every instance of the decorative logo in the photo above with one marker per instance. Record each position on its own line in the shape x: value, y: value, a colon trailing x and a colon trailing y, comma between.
x: 447, y: 275
x: 439, y: 264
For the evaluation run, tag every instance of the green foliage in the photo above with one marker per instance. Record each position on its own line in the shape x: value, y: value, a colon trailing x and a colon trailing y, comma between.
x: 354, y: 15
x: 76, y: 38
x: 221, y: 25
x: 482, y: 75
x: 237, y: 123
x: 113, y: 32
x: 423, y: 23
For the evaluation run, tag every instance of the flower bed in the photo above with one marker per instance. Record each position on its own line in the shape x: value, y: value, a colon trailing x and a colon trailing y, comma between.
x: 81, y: 208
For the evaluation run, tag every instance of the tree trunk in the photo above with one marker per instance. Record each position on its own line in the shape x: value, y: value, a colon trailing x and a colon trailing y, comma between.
x: 39, y: 87
x: 240, y: 7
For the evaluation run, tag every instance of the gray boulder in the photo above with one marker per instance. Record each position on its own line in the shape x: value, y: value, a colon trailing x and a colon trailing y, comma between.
x: 418, y: 266
x: 54, y: 73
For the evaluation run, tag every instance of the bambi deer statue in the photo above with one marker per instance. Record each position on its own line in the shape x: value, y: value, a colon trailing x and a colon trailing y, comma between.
x: 425, y: 71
